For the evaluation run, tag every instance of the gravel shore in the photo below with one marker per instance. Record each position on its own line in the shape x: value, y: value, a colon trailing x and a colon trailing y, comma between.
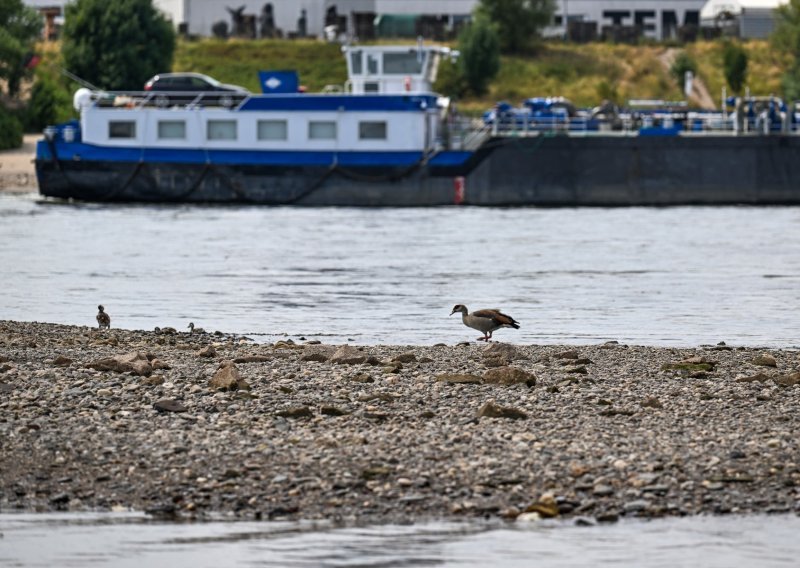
x: 200, y: 425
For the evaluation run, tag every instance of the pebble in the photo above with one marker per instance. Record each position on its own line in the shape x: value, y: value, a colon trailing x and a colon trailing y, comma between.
x: 641, y: 433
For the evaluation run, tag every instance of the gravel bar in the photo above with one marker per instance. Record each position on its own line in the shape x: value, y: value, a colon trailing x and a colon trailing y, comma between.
x: 202, y: 425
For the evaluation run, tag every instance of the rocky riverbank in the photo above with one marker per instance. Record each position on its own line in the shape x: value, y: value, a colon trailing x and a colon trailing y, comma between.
x: 194, y: 425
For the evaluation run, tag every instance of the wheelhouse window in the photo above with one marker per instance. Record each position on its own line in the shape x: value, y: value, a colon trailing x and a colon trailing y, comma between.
x: 121, y: 129
x: 171, y: 130
x: 372, y: 130
x: 409, y: 63
x: 272, y: 130
x: 372, y: 64
x: 221, y: 130
x: 322, y: 130
x: 355, y: 62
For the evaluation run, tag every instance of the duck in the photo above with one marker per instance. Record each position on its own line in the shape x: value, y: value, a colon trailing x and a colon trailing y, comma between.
x: 103, y: 319
x: 193, y: 329
x: 486, y: 321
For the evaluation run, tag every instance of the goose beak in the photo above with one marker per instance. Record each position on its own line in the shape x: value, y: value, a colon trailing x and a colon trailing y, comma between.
x: 451, y: 313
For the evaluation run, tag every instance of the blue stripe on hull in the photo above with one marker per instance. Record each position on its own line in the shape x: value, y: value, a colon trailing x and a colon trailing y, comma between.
x: 303, y: 102
x: 79, y: 151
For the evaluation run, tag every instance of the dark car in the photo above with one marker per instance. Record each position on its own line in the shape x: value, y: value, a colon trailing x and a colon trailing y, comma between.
x: 186, y: 88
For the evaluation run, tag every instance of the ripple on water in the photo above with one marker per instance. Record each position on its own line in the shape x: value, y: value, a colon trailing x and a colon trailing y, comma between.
x: 127, y: 540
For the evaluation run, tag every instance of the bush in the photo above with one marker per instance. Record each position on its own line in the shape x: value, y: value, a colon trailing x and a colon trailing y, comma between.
x: 46, y: 106
x: 10, y: 130
x: 683, y: 63
x: 480, y: 55
x: 734, y: 65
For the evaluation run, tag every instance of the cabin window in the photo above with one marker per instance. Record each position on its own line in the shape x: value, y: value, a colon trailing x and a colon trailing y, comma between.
x: 272, y: 130
x: 122, y: 129
x: 355, y: 61
x: 322, y: 130
x: 221, y: 130
x: 372, y: 64
x: 171, y: 130
x: 372, y: 130
x: 408, y: 63
x: 371, y: 87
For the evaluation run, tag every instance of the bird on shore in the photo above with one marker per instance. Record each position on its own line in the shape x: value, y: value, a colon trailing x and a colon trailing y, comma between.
x: 486, y: 321
x: 193, y: 329
x: 103, y: 319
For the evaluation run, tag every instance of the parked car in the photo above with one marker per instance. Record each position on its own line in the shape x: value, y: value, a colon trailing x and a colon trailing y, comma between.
x: 185, y: 88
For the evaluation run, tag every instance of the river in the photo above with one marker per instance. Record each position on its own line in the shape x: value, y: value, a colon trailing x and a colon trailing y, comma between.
x: 131, y: 540
x: 655, y: 276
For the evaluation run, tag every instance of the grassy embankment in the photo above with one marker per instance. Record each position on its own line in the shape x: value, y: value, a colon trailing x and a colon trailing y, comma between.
x: 586, y: 74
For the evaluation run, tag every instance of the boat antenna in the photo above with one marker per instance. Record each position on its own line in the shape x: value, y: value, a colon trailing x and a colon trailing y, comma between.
x: 81, y: 82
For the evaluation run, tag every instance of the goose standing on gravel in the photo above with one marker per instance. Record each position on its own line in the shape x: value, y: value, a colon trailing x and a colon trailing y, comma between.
x: 486, y: 321
x: 193, y: 329
x: 103, y: 319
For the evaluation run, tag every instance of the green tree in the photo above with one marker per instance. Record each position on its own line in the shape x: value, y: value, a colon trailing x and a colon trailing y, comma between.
x: 786, y: 38
x: 117, y: 45
x: 46, y: 105
x: 480, y: 54
x: 10, y: 129
x: 518, y: 22
x: 20, y: 27
x: 734, y: 66
x: 683, y: 63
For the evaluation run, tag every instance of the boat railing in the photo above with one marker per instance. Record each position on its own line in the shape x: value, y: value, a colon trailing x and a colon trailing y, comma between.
x: 168, y: 99
x: 701, y: 123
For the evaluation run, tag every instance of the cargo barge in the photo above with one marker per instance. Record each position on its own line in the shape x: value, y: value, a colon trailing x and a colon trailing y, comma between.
x: 386, y: 139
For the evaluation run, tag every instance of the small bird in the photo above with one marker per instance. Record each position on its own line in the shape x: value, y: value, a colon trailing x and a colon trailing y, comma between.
x: 486, y: 321
x: 103, y: 319
x: 193, y: 329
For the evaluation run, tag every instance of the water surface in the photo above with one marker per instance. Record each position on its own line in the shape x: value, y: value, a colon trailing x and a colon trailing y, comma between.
x: 657, y: 276
x: 131, y: 540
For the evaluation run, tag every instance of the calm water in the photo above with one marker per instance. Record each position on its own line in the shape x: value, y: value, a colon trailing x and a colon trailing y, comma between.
x: 121, y: 541
x: 679, y: 276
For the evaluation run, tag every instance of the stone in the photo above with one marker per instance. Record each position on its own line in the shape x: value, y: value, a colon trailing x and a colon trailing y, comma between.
x: 153, y: 380
x: 690, y: 365
x: 458, y: 378
x: 500, y: 354
x: 652, y: 402
x: 765, y: 360
x: 228, y: 377
x: 787, y: 380
x: 602, y: 490
x: 569, y: 354
x: 579, y: 370
x: 62, y: 361
x: 635, y: 506
x: 135, y: 362
x: 169, y: 405
x: 317, y: 352
x: 159, y: 365
x: 329, y: 410
x: 362, y: 378
x: 492, y: 410
x: 405, y: 358
x: 347, y: 355
x: 758, y: 377
x: 252, y: 359
x: 295, y: 412
x: 509, y: 376
x: 207, y: 351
